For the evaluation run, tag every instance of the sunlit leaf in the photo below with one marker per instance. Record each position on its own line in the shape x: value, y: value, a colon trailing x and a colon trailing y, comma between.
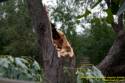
x: 92, y: 71
x: 84, y: 15
x: 96, y: 4
x: 20, y: 63
x: 17, y: 68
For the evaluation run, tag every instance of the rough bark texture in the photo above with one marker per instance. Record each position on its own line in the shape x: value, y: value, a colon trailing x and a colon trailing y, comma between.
x: 69, y: 75
x: 53, y: 67
x: 114, y: 63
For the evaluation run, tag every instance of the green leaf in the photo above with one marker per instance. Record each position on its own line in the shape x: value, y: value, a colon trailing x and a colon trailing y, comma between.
x: 110, y: 16
x: 96, y: 4
x: 121, y: 9
x: 95, y: 20
x: 84, y: 15
x: 83, y: 76
x: 17, y: 68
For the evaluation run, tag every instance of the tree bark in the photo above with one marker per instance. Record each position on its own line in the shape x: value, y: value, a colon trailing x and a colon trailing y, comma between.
x: 114, y: 63
x: 53, y: 67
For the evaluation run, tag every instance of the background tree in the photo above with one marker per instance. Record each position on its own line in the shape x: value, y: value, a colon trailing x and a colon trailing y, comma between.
x: 16, y: 35
x: 113, y: 63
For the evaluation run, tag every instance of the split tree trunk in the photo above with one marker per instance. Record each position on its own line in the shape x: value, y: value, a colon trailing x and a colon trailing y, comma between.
x: 114, y: 63
x: 53, y: 67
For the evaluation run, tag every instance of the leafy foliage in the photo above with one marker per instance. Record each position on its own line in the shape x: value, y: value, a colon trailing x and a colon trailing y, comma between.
x: 96, y: 42
x: 87, y: 12
x: 20, y: 68
x: 16, y: 33
x: 89, y: 75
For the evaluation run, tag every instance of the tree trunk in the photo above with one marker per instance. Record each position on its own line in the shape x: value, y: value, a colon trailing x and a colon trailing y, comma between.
x: 114, y: 63
x: 53, y: 67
